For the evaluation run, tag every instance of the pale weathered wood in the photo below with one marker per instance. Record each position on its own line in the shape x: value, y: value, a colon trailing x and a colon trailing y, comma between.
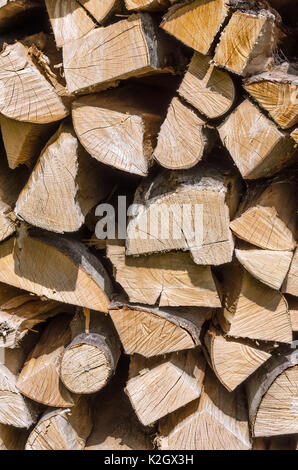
x: 181, y: 141
x: 258, y: 148
x: 196, y: 23
x: 90, y: 360
x: 62, y: 429
x: 206, y: 87
x: 276, y: 91
x: 12, y: 438
x: 158, y: 387
x: 216, y: 421
x: 169, y: 279
x: 232, y: 361
x: 247, y: 43
x: 152, y: 331
x: 208, y: 195
x: 63, y: 171
x: 12, y: 11
x: 128, y: 48
x: 101, y: 10
x: 290, y: 285
x: 119, y: 127
x: 294, y: 136
x: 39, y: 379
x: 252, y: 309
x: 293, y: 309
x: 267, y: 217
x: 148, y: 5
x: 57, y: 268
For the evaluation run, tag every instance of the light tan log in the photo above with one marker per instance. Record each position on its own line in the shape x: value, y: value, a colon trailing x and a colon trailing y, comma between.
x: 127, y: 123
x: 25, y: 74
x: 276, y: 91
x: 11, y: 11
x: 206, y: 87
x: 142, y: 52
x: 232, y: 361
x: 101, y: 10
x: 181, y: 141
x: 294, y: 136
x: 152, y: 331
x: 272, y: 396
x: 252, y: 309
x: 62, y: 429
x: 169, y: 279
x: 12, y: 438
x: 269, y: 267
x: 64, y: 171
x: 69, y: 20
x: 196, y: 23
x: 57, y: 268
x: 39, y: 378
x: 206, y: 193
x: 247, y: 43
x: 258, y: 148
x: 216, y: 421
x: 90, y: 360
x: 148, y: 5
x: 290, y: 285
x: 157, y: 387
x: 293, y: 309
x: 267, y: 217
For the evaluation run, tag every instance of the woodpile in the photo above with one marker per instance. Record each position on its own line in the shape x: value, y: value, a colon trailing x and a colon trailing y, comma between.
x: 148, y: 225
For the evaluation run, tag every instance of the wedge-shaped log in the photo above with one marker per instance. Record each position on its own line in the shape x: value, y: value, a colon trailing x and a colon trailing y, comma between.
x: 247, y: 43
x: 12, y: 11
x: 12, y: 438
x: 196, y: 23
x: 152, y: 331
x: 293, y: 309
x: 185, y: 211
x: 294, y: 135
x: 39, y: 379
x: 181, y: 142
x: 102, y: 10
x: 233, y: 361
x: 258, y: 148
x: 252, y: 309
x: 269, y: 267
x: 90, y: 360
x: 276, y: 91
x: 158, y: 387
x: 62, y: 429
x: 272, y: 396
x: 290, y: 285
x: 206, y: 87
x: 59, y: 269
x: 142, y: 51
x: 127, y: 123
x: 66, y: 171
x: 148, y: 5
x: 267, y: 217
x: 216, y: 421
x: 69, y: 20
x: 169, y: 279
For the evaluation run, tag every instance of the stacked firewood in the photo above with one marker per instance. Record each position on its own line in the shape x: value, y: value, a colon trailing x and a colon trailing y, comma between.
x: 172, y: 332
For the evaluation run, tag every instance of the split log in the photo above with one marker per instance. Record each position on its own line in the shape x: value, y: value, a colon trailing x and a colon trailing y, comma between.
x: 157, y: 387
x: 269, y: 267
x: 272, y: 396
x: 57, y: 268
x: 23, y: 140
x: 142, y: 51
x: 201, y: 195
x: 148, y: 5
x: 90, y: 360
x: 233, y: 361
x: 294, y: 136
x: 290, y: 285
x: 206, y: 87
x: 258, y: 148
x: 66, y: 171
x: 153, y: 332
x: 25, y: 74
x: 102, y: 10
x: 187, y: 22
x: 39, y: 379
x: 169, y: 279
x: 276, y: 91
x: 181, y: 141
x: 127, y: 123
x: 62, y: 429
x: 247, y: 43
x: 69, y: 20
x: 252, y: 309
x: 293, y: 309
x: 13, y: 11
x: 216, y: 421
x: 267, y: 217
x: 12, y: 438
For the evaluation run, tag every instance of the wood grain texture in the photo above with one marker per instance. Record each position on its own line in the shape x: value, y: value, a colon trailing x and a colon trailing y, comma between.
x: 290, y: 285
x: 101, y: 10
